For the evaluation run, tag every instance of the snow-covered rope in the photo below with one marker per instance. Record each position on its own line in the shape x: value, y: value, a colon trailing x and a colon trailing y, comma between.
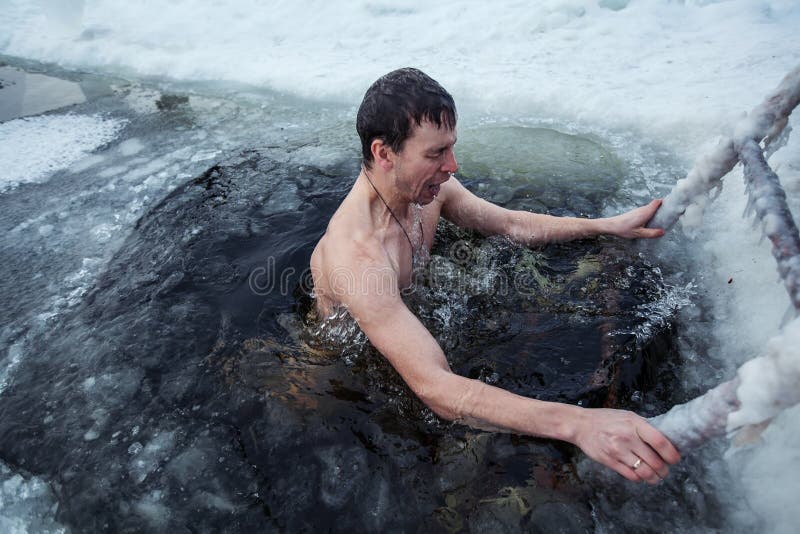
x: 769, y: 383
x: 767, y: 198
x: 695, y: 422
x: 765, y: 122
x: 762, y: 388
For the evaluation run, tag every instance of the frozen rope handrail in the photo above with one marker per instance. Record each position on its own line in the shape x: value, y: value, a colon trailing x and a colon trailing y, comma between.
x: 767, y: 198
x: 767, y: 384
x: 765, y: 122
x: 762, y: 388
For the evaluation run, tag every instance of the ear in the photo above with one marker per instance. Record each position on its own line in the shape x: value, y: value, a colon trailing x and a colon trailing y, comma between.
x: 382, y: 154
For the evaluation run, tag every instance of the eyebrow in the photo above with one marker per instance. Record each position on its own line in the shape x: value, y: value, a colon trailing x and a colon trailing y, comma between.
x: 443, y: 147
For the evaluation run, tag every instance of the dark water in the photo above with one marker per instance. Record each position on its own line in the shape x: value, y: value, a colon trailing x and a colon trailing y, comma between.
x: 190, y: 389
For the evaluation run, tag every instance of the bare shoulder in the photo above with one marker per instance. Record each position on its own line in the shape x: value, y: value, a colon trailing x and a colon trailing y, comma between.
x: 450, y: 190
x: 350, y: 264
x: 347, y: 242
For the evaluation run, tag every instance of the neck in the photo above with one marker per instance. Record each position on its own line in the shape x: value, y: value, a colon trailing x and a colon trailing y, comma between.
x: 395, y: 216
x: 384, y: 194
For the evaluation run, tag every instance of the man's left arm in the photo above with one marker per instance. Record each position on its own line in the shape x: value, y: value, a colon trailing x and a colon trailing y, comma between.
x: 464, y: 209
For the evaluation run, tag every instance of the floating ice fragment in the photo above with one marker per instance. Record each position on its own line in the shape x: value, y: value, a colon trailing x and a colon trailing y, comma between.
x: 204, y: 155
x: 45, y: 230
x: 27, y: 504
x: 32, y: 149
x: 130, y: 147
x: 153, y: 509
x: 148, y: 459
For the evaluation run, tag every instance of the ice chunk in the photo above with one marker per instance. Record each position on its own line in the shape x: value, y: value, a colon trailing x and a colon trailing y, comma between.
x: 32, y: 149
x: 130, y: 147
x: 26, y: 504
x: 151, y: 456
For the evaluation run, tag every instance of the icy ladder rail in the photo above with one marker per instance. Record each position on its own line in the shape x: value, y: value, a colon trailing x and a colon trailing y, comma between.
x: 769, y: 382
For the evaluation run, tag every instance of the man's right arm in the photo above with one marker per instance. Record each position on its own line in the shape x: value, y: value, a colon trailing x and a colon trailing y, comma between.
x: 463, y: 208
x: 614, y: 438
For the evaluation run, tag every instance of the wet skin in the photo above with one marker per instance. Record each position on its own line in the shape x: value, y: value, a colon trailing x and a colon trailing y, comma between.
x: 365, y: 258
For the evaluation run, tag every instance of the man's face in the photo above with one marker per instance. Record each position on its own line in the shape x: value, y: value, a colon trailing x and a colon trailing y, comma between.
x: 425, y: 162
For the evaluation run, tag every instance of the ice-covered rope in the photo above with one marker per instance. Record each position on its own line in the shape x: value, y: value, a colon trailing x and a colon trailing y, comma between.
x: 766, y: 122
x: 762, y: 388
x: 767, y: 198
x: 769, y: 383
x: 695, y: 422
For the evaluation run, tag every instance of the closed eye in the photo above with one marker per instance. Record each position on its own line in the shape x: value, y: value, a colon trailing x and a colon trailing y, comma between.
x: 436, y: 154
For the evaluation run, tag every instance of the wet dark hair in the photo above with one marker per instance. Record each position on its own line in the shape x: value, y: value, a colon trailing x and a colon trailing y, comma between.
x: 397, y: 101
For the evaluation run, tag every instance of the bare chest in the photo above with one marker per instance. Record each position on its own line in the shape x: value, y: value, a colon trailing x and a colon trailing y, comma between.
x: 406, y: 248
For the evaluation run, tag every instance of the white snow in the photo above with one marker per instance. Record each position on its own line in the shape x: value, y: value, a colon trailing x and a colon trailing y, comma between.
x: 33, y: 148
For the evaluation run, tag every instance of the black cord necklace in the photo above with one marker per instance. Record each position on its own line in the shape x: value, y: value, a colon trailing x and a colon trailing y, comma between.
x: 421, y: 229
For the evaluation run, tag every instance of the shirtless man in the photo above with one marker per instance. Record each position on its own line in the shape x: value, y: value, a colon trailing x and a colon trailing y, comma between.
x: 407, y: 126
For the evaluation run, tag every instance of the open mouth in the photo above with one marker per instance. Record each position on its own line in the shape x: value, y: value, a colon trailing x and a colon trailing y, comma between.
x: 434, y: 189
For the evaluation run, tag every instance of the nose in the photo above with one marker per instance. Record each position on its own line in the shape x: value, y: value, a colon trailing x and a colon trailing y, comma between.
x: 450, y: 164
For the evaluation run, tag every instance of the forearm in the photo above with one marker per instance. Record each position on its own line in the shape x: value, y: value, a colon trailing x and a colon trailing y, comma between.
x: 480, y: 405
x: 618, y: 439
x: 537, y: 229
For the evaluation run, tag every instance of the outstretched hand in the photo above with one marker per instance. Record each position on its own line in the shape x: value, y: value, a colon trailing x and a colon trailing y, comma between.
x: 626, y: 443
x: 633, y: 224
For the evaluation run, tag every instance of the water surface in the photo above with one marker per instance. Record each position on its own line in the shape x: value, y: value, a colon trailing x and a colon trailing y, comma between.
x: 161, y: 369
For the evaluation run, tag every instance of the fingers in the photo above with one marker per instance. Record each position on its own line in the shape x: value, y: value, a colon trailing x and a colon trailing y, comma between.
x: 650, y: 233
x: 658, y: 442
x: 626, y: 443
x: 651, y: 460
x: 648, y: 456
x: 653, y: 205
x: 633, y: 224
x: 643, y: 471
x: 649, y: 209
x: 636, y: 469
x: 626, y: 471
